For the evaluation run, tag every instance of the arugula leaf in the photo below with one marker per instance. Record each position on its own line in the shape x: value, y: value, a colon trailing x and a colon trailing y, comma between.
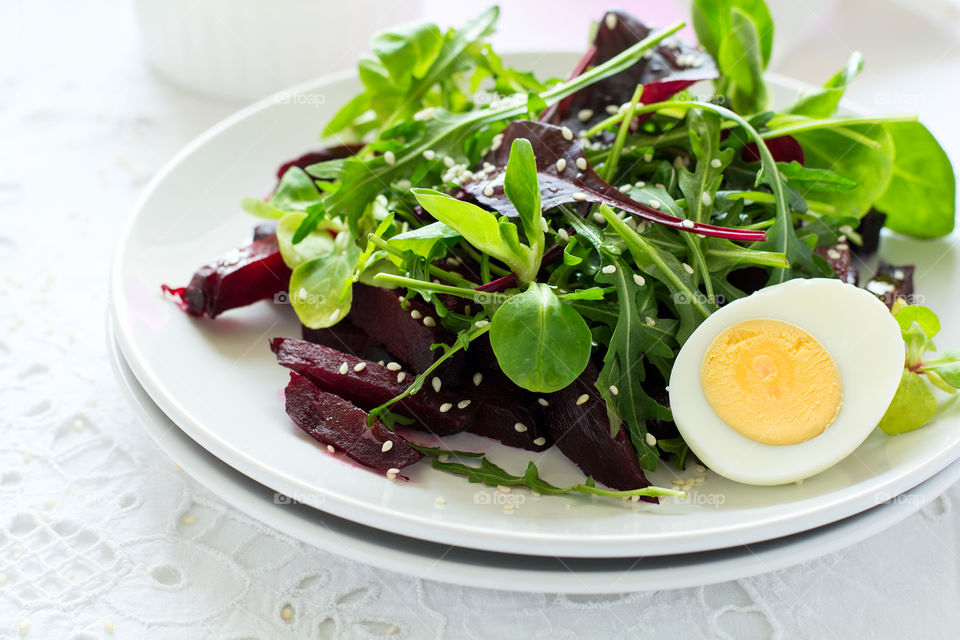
x: 540, y: 343
x: 321, y: 290
x: 809, y: 178
x: 920, y: 199
x: 824, y: 102
x: 912, y: 407
x: 521, y: 186
x: 295, y: 192
x: 713, y: 20
x: 742, y: 63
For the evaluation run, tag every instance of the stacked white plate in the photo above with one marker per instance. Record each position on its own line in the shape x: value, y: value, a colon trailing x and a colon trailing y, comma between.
x: 211, y: 394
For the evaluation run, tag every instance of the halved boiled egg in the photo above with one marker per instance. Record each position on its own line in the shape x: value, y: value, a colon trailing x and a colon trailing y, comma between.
x: 783, y: 384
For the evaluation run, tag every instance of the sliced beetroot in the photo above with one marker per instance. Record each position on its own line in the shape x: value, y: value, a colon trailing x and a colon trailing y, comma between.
x: 335, y: 422
x: 782, y: 148
x: 320, y: 155
x: 574, y: 184
x: 502, y: 407
x: 264, y: 230
x: 581, y: 431
x: 348, y: 338
x: 891, y: 282
x: 869, y: 229
x: 439, y: 413
x: 667, y: 69
x: 403, y: 332
x: 838, y: 257
x: 249, y: 274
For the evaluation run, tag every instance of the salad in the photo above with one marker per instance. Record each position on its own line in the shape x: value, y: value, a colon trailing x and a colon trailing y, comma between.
x: 610, y: 263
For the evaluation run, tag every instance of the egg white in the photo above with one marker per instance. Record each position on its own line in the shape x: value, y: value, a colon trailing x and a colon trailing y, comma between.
x: 858, y: 332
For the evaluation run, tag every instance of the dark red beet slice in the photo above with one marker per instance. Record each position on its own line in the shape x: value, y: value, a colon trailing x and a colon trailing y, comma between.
x: 379, y: 313
x: 502, y: 406
x: 582, y: 432
x: 891, y: 282
x: 838, y: 257
x: 333, y: 421
x: 251, y: 273
x: 438, y: 413
x: 782, y: 148
x: 320, y: 155
x: 869, y: 230
x: 264, y: 230
x: 348, y: 338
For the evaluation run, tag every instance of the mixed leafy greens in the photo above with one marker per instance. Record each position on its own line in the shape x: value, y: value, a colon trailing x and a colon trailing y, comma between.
x: 602, y: 218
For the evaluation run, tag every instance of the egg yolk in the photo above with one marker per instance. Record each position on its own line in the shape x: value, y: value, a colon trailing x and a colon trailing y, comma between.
x: 772, y: 382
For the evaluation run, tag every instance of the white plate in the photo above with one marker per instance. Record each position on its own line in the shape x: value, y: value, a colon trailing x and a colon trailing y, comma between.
x: 218, y: 381
x: 495, y: 570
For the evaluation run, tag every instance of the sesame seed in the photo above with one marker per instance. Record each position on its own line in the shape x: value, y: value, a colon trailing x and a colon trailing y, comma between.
x: 659, y: 185
x: 188, y: 520
x: 544, y: 225
x: 687, y: 224
x: 497, y: 141
x: 648, y: 157
x: 344, y: 367
x: 488, y: 190
x: 429, y: 154
x: 403, y: 185
x: 360, y: 366
x: 401, y: 376
x: 440, y: 501
x: 561, y: 165
x: 650, y: 322
x: 833, y: 254
x: 582, y: 164
x: 687, y: 268
x: 612, y: 109
x: 392, y: 473
x: 706, y: 199
x: 598, y: 218
x: 543, y: 402
x: 429, y: 322
x: 639, y: 184
x: 504, y: 489
x: 477, y: 379
x: 563, y: 235
x: 394, y: 366
x: 331, y: 448
x: 446, y: 406
x: 108, y: 626
x: 846, y: 229
x: 480, y: 324
x: 583, y: 398
x: 540, y: 441
x: 700, y: 479
x: 639, y: 279
x: 387, y: 445
x: 520, y: 427
x: 463, y: 404
x: 614, y: 390
x: 286, y: 613
x: 436, y: 383
x: 651, y: 439
x: 579, y: 196
x: 390, y: 158
x: 610, y: 20
x: 715, y: 163
x: 584, y: 114
x: 610, y: 268
x: 449, y: 162
x: 567, y: 134
x: 625, y: 187
x: 416, y: 315
x: 699, y: 468
x: 655, y: 204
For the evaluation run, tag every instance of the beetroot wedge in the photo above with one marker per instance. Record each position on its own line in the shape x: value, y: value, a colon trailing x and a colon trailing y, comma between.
x: 335, y: 422
x: 368, y: 385
x: 252, y: 273
x: 403, y: 332
x: 508, y: 413
x: 581, y: 430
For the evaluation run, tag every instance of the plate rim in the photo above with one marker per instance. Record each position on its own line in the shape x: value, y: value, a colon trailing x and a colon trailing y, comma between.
x: 815, y: 513
x: 487, y: 570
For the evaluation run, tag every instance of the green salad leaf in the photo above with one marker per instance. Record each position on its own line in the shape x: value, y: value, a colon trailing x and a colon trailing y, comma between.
x: 824, y: 102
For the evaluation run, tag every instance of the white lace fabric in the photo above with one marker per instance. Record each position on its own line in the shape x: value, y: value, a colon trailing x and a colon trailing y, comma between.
x: 102, y: 536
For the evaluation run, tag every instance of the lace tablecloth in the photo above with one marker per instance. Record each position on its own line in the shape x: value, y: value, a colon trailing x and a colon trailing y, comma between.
x: 102, y: 536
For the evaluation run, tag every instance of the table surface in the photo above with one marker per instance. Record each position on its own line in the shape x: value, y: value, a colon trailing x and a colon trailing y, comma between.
x: 100, y: 534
